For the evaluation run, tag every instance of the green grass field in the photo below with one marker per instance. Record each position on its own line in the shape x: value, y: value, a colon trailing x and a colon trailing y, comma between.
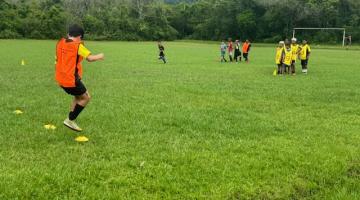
x: 191, y: 129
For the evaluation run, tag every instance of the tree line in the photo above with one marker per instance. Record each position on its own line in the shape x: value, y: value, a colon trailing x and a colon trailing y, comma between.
x: 257, y: 20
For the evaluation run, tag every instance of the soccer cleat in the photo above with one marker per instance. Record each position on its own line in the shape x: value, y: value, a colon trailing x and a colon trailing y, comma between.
x: 72, y: 125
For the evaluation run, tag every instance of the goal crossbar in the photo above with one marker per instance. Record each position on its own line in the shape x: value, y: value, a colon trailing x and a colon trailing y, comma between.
x: 341, y: 29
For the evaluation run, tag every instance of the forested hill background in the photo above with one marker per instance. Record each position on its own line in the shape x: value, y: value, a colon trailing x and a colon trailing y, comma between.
x: 258, y: 20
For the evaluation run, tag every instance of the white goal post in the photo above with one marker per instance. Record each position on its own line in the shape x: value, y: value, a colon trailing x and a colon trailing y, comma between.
x: 340, y: 29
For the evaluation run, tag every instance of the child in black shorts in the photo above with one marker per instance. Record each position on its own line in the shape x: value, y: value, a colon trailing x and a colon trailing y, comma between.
x: 161, y: 50
x: 237, y: 54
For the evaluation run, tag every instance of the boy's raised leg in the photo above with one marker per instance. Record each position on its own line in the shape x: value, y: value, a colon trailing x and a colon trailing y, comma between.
x: 77, y: 106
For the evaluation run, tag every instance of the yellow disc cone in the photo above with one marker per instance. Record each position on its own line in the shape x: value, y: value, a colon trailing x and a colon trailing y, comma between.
x: 18, y: 112
x: 23, y: 62
x: 81, y: 139
x: 50, y: 127
x: 275, y: 72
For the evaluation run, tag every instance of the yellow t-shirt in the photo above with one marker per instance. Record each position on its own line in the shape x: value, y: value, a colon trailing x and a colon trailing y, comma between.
x: 287, y: 56
x: 295, y: 49
x: 279, y: 52
x: 304, y: 52
x: 83, y: 51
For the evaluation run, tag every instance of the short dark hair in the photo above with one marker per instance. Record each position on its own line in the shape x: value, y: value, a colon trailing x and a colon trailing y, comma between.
x: 75, y: 30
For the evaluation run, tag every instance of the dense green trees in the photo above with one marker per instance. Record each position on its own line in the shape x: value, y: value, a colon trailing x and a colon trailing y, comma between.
x: 260, y: 20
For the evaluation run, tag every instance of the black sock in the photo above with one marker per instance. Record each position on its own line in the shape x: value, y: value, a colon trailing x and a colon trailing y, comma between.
x: 77, y: 110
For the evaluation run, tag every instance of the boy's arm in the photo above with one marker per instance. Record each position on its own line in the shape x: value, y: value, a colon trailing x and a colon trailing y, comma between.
x: 93, y: 58
x: 300, y: 53
x: 85, y: 53
x: 308, y: 52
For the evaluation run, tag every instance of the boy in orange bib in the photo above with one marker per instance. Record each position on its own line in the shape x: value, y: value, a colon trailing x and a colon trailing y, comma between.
x: 70, y: 52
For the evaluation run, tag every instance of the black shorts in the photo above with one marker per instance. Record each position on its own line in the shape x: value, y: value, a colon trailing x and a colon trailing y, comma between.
x: 286, y: 66
x: 245, y: 55
x: 237, y: 53
x: 304, y: 62
x: 293, y: 62
x: 78, y: 90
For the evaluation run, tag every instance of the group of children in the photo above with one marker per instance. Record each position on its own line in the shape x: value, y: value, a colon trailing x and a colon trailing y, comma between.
x: 287, y: 54
x: 234, y: 51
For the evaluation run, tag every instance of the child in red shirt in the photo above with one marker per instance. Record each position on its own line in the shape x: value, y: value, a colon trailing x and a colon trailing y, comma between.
x: 230, y: 49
